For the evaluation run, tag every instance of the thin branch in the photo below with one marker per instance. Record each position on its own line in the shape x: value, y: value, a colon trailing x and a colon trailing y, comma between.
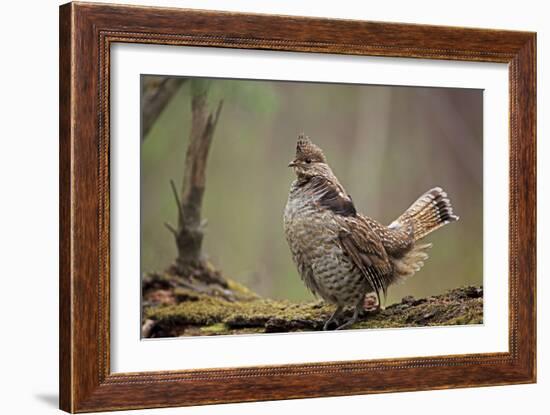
x: 171, y: 229
x: 157, y: 92
x: 178, y: 202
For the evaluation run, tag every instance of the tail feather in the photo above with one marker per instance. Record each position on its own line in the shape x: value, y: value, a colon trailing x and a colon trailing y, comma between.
x: 431, y: 211
x: 407, y: 265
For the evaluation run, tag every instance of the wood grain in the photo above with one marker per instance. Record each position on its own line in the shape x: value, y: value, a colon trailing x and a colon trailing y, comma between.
x: 86, y: 33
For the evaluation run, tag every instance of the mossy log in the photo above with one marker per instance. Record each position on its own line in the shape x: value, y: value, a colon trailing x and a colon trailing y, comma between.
x: 173, y: 309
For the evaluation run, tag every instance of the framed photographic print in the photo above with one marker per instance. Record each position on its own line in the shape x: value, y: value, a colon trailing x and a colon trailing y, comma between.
x: 260, y: 207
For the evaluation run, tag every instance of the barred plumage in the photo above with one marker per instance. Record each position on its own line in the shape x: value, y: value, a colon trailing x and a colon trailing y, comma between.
x: 343, y: 255
x: 431, y: 211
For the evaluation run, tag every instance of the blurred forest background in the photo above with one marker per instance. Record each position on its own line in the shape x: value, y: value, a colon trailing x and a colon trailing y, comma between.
x: 386, y: 144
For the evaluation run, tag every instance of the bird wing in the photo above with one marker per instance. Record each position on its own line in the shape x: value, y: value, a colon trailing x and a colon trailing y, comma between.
x: 359, y: 236
x: 365, y: 248
x: 332, y: 196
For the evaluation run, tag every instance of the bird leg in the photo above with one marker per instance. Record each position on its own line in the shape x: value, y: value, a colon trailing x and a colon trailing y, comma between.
x: 334, y: 318
x: 353, y: 318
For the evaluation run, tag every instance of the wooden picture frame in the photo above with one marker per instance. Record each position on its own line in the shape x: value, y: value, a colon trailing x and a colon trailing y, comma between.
x: 86, y: 33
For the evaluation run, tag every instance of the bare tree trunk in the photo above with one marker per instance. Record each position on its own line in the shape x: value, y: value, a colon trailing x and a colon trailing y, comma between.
x: 156, y: 93
x: 189, y: 232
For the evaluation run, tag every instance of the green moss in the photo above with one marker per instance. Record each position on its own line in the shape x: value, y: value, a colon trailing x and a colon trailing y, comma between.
x: 214, y: 329
x: 204, y: 311
x: 456, y: 307
x: 241, y: 290
x: 201, y: 314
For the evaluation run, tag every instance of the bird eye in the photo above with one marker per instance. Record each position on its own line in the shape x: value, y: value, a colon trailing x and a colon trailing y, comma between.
x: 308, y: 161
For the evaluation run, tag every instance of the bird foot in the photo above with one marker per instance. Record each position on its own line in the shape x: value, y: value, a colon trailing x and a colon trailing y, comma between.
x: 336, y: 324
x: 353, y: 319
x: 347, y: 324
x: 334, y: 318
x: 329, y: 323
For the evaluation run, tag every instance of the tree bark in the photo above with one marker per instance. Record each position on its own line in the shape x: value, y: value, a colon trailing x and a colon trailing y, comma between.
x: 189, y: 231
x: 156, y: 93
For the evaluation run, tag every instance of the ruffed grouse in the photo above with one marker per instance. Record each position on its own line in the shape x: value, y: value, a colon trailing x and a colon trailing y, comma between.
x: 343, y: 255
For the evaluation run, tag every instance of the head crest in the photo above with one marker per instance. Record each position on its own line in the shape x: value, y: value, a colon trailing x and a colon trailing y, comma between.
x: 305, y: 149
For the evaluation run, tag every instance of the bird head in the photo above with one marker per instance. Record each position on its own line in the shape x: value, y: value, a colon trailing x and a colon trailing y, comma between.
x: 310, y: 160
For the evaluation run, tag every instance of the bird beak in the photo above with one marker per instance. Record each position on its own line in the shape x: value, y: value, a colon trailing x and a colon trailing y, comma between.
x: 292, y: 163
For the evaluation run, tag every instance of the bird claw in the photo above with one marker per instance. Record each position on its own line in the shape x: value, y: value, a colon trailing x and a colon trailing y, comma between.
x: 337, y: 324
x: 334, y: 318
x: 347, y: 324
x: 329, y: 322
x: 350, y: 322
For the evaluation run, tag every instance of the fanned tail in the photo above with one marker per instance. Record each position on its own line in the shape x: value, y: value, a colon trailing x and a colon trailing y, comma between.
x: 431, y: 211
